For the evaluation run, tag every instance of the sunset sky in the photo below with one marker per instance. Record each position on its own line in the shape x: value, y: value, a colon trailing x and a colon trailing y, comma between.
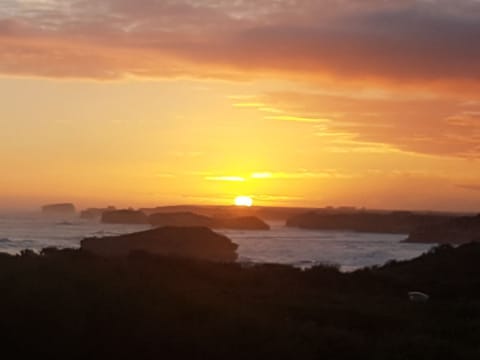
x: 292, y: 102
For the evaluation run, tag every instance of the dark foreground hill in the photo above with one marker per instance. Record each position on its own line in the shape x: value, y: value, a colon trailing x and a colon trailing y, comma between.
x: 73, y: 305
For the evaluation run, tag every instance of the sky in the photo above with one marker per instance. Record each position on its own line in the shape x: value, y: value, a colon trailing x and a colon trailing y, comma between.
x: 372, y: 103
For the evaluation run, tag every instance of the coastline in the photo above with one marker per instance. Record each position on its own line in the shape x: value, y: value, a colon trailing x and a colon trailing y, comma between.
x: 279, y: 245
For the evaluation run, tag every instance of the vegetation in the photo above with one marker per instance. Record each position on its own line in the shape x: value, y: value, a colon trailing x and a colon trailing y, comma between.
x: 75, y: 305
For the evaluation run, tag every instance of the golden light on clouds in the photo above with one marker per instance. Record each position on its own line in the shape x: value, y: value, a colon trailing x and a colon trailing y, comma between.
x: 325, y: 111
x: 297, y: 119
x: 261, y: 175
x: 225, y: 178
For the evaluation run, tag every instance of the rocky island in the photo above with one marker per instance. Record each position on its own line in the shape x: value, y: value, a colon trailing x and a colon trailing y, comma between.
x: 188, y: 242
x: 241, y: 223
x: 191, y: 219
x: 59, y: 209
x: 181, y: 218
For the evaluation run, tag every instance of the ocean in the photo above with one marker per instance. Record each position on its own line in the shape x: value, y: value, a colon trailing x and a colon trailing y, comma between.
x: 281, y: 245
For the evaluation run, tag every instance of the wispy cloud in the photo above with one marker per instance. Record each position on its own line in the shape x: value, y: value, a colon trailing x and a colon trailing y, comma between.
x: 303, y: 174
x: 249, y: 105
x: 277, y: 198
x: 297, y: 119
x: 225, y: 178
x: 438, y: 126
x: 261, y: 175
x: 285, y: 175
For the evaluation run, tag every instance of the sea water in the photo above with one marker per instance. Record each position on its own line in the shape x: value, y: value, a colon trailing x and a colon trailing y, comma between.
x: 282, y: 245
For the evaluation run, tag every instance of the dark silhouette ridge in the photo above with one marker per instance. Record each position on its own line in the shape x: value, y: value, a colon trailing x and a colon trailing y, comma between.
x: 191, y: 219
x: 272, y: 212
x: 205, y: 210
x: 453, y: 231
x: 396, y: 222
x: 191, y: 242
x: 59, y: 209
x: 184, y: 218
x: 124, y: 217
x: 226, y: 211
x: 151, y: 307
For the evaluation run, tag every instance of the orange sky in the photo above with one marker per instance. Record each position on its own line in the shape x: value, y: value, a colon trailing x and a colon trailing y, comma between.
x: 295, y: 103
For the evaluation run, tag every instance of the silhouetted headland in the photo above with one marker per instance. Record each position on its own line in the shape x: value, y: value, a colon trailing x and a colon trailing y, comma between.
x: 459, y: 230
x: 241, y: 223
x: 396, y: 222
x: 59, y: 209
x: 184, y: 218
x: 420, y: 227
x: 191, y: 219
x: 189, y: 242
x: 226, y: 211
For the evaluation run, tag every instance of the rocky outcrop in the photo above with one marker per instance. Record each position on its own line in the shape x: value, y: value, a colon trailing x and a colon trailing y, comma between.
x: 124, y: 217
x: 180, y: 219
x: 242, y: 223
x: 397, y: 222
x: 59, y: 209
x: 95, y: 213
x: 453, y: 231
x: 190, y: 242
x: 191, y: 219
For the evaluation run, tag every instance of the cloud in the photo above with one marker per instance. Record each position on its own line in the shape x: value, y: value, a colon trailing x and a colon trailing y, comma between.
x: 261, y: 175
x: 248, y: 105
x: 278, y: 198
x: 297, y: 119
x: 304, y: 174
x: 290, y: 175
x: 439, y: 126
x: 225, y: 178
x: 408, y: 42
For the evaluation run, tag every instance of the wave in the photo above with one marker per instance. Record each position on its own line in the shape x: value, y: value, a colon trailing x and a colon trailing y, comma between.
x: 8, y: 242
x: 65, y: 223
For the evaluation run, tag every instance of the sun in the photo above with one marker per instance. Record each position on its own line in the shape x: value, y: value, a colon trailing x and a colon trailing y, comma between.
x: 243, y: 201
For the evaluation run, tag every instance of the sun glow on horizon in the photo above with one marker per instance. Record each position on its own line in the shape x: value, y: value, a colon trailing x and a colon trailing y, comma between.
x: 243, y: 201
